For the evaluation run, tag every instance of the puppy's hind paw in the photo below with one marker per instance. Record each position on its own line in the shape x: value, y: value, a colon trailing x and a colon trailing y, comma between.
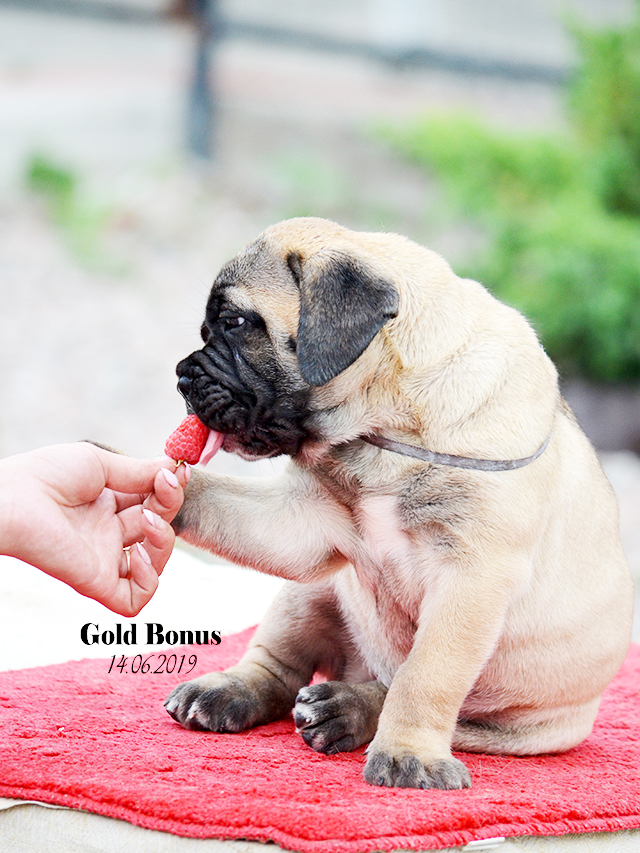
x: 408, y: 771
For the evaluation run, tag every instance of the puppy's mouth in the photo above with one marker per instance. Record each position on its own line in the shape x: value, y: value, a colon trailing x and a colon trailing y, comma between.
x: 246, y: 413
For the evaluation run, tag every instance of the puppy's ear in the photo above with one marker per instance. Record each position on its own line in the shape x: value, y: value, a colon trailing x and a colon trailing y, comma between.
x: 343, y: 305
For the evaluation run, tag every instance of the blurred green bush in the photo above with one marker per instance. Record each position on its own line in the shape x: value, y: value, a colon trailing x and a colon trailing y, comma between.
x: 561, y: 213
x: 55, y: 183
x: 80, y: 219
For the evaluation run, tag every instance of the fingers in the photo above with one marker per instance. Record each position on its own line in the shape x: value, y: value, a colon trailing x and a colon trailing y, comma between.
x: 148, y: 495
x: 149, y: 539
x: 149, y: 542
x: 159, y: 540
x: 129, y: 475
x: 143, y: 581
x: 168, y: 492
x: 133, y: 592
x: 143, y: 526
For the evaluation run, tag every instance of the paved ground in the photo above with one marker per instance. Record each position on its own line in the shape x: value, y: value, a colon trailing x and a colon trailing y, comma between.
x: 96, y: 315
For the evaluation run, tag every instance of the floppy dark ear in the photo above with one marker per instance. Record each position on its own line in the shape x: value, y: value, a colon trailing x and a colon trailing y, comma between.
x: 343, y: 305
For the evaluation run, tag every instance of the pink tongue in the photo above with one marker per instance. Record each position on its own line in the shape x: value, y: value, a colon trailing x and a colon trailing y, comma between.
x: 213, y: 445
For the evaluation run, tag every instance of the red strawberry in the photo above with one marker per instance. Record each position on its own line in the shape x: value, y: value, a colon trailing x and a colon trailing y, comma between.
x: 187, y: 442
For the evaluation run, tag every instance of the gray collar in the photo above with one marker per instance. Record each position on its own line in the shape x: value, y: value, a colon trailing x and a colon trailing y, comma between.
x: 455, y: 461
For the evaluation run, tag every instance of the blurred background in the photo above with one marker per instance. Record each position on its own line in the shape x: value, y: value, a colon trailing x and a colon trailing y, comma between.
x: 143, y: 142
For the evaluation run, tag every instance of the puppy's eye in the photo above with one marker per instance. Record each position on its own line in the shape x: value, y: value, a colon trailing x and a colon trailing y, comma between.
x: 232, y: 321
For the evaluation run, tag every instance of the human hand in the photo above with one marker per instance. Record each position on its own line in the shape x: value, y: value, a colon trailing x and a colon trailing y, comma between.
x: 71, y: 510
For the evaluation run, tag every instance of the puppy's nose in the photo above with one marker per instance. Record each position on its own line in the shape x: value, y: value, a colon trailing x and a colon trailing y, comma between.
x: 184, y: 385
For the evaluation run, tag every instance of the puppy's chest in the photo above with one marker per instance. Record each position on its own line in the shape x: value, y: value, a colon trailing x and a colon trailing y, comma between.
x: 381, y: 591
x: 382, y: 541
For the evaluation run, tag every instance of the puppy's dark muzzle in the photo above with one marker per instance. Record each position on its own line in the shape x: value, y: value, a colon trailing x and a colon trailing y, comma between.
x: 231, y: 397
x: 214, y: 393
x: 184, y: 387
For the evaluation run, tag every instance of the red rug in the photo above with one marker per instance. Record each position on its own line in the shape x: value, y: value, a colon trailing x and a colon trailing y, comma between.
x: 75, y: 735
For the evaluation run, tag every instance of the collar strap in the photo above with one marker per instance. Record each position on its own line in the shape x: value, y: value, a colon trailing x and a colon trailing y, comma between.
x: 455, y: 461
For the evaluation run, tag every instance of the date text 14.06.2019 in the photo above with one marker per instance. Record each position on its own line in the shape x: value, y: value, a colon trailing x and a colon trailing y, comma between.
x: 157, y: 663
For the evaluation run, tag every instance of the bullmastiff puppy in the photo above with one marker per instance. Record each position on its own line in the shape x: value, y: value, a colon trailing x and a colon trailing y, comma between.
x: 448, y: 536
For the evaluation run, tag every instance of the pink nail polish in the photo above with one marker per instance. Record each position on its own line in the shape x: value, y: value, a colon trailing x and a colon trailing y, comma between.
x: 143, y: 553
x: 151, y: 517
x: 170, y: 477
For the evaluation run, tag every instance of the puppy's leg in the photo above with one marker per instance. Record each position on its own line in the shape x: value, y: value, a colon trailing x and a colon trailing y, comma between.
x: 529, y: 732
x: 300, y: 634
x: 287, y: 526
x: 337, y: 717
x: 457, y: 630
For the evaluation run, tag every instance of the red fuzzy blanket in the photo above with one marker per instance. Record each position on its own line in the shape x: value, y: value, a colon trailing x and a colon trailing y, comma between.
x: 76, y: 735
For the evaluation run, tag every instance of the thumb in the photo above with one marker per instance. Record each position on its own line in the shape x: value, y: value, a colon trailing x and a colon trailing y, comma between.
x: 129, y: 475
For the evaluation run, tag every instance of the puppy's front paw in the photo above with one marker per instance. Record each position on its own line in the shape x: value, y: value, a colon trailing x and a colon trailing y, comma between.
x: 337, y: 717
x: 408, y: 771
x: 217, y: 702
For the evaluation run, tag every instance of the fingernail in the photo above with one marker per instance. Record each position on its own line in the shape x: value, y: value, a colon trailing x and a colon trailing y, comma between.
x: 151, y: 517
x: 170, y: 477
x: 187, y: 472
x: 143, y: 553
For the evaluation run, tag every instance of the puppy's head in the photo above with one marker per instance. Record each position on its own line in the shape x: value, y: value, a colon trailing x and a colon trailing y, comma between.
x: 287, y: 316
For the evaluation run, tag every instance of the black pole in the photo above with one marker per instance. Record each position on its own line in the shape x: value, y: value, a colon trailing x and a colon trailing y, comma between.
x: 201, y: 106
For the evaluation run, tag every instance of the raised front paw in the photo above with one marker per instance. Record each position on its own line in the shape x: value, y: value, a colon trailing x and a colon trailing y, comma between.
x: 217, y: 702
x: 408, y: 771
x: 337, y: 717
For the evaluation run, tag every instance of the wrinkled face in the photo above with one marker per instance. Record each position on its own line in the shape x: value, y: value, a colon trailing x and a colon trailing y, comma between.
x: 279, y: 324
x: 244, y: 382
